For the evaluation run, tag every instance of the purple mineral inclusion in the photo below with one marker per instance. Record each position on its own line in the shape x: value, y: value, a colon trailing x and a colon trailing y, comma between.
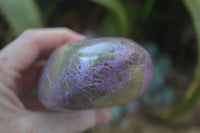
x: 91, y: 76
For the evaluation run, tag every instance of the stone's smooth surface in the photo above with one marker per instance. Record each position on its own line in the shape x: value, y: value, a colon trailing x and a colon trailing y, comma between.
x: 95, y: 73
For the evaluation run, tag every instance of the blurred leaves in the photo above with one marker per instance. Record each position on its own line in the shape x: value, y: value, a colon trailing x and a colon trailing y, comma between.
x: 108, y: 26
x: 118, y: 10
x: 158, y: 93
x: 181, y: 108
x: 148, y: 7
x: 21, y: 14
x: 193, y: 91
x: 194, y: 9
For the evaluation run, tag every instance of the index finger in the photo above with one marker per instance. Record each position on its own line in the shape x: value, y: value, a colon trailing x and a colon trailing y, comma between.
x: 22, y: 52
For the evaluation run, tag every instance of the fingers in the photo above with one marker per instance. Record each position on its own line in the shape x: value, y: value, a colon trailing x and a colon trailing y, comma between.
x: 69, y: 122
x: 22, y: 52
x: 18, y: 56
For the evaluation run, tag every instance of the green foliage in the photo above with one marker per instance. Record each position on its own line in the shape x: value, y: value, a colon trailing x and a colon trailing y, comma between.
x: 158, y: 93
x: 193, y: 91
x: 184, y: 106
x: 118, y: 10
x: 128, y: 17
x: 108, y: 26
x: 181, y: 108
x: 194, y: 9
x: 21, y: 14
x: 148, y: 7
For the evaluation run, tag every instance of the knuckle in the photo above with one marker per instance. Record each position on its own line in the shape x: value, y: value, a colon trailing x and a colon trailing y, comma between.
x: 66, y: 30
x: 29, y: 33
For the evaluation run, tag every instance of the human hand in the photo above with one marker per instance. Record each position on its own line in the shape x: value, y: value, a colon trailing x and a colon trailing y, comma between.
x: 21, y: 63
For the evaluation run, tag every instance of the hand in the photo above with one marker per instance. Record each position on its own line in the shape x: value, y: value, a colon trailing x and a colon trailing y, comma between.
x: 21, y: 63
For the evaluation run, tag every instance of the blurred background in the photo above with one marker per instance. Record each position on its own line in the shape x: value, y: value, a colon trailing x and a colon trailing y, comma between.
x: 168, y: 29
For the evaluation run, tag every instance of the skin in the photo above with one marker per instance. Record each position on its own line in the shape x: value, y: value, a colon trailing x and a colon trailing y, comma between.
x: 21, y: 63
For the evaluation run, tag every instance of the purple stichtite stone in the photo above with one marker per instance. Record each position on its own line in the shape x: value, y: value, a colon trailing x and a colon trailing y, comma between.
x: 95, y: 73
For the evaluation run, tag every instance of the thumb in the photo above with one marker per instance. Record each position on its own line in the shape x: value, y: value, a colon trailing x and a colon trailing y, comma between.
x: 68, y: 122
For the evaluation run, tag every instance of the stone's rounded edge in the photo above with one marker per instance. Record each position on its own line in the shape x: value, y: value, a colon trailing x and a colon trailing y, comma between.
x: 44, y: 74
x: 109, y: 39
x: 148, y: 73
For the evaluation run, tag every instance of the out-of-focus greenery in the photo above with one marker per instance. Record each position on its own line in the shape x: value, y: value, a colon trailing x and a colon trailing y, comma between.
x: 193, y: 91
x: 21, y: 14
x: 194, y: 9
x: 147, y: 9
x: 158, y: 93
x: 118, y: 10
x: 121, y: 18
x: 127, y: 16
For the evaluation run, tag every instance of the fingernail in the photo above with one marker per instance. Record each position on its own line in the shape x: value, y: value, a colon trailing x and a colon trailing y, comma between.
x: 103, y: 115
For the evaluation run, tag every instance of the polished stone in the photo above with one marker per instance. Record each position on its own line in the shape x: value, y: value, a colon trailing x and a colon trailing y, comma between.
x: 95, y: 73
